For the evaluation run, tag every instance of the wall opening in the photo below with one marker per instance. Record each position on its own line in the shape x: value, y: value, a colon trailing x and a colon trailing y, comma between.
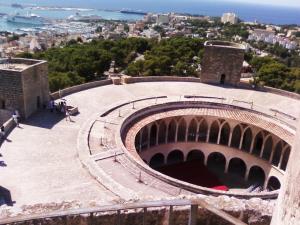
x: 222, y: 80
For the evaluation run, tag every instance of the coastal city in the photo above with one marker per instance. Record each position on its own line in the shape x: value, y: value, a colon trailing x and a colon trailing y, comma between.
x: 45, y: 33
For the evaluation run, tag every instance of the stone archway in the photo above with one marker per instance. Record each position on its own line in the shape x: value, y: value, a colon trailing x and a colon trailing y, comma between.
x: 273, y: 184
x: 174, y: 157
x: 196, y: 155
x: 237, y: 167
x: 216, y: 161
x: 256, y: 175
x: 157, y: 160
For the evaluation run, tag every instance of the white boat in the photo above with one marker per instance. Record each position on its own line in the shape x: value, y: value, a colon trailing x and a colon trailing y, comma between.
x: 30, y: 19
x: 84, y: 18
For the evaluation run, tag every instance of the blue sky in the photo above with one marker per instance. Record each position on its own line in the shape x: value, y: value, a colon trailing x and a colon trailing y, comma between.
x: 290, y: 3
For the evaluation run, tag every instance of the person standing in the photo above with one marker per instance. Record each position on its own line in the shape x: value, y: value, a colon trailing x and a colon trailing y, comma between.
x: 15, y: 118
x: 2, y: 133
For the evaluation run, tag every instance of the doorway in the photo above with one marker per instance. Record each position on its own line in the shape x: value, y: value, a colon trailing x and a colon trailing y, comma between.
x: 222, y: 80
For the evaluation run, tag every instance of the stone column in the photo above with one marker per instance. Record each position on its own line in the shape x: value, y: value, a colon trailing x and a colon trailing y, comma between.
x: 287, y: 210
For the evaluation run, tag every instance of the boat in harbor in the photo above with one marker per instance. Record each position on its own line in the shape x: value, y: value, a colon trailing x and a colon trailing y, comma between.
x: 30, y: 19
x: 85, y: 18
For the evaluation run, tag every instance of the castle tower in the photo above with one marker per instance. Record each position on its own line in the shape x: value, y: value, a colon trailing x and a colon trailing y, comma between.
x: 287, y: 210
x: 23, y: 86
x: 222, y: 62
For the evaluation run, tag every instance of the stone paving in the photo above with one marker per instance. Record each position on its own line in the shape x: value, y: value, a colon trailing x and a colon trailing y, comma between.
x: 42, y: 159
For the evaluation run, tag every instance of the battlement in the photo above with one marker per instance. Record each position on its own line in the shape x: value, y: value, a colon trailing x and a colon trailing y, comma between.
x: 224, y: 44
x: 18, y: 64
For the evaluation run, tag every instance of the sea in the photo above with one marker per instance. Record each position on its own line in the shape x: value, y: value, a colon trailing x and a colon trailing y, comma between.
x: 109, y: 9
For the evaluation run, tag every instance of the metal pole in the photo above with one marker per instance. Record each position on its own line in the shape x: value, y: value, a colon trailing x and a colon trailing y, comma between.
x: 133, y: 105
x: 145, y: 216
x: 193, y: 215
x: 118, y: 219
x: 170, y: 220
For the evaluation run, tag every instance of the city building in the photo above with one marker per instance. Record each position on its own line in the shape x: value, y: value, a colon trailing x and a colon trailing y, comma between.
x: 231, y: 18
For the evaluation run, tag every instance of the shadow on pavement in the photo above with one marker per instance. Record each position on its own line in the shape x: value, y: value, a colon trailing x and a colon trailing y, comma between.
x: 5, y: 197
x: 44, y: 119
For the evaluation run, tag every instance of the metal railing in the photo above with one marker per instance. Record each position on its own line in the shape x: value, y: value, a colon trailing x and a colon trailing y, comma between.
x: 118, y: 208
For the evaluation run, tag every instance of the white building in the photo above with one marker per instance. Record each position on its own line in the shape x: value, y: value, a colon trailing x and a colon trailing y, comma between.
x: 163, y: 19
x: 231, y: 18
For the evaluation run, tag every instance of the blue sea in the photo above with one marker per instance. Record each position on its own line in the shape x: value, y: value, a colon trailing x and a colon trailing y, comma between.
x: 247, y: 12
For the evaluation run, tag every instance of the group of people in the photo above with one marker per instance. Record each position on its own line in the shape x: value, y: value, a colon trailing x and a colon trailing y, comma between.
x: 60, y: 107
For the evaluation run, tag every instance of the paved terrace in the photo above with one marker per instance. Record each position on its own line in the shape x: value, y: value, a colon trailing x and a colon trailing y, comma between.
x: 41, y: 158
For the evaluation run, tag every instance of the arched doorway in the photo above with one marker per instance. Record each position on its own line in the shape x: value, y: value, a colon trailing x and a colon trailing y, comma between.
x: 181, y: 131
x: 225, y: 132
x: 203, y: 131
x: 157, y: 160
x: 195, y: 155
x: 216, y: 161
x: 256, y: 176
x: 273, y: 184
x: 172, y: 131
x: 214, y: 132
x: 162, y: 133
x: 153, y: 135
x: 174, y: 157
x: 222, y: 79
x: 285, y: 158
x: 237, y: 167
x: 247, y: 140
x: 277, y: 154
x: 192, y: 131
x: 267, y: 151
x: 258, y: 142
x: 236, y: 137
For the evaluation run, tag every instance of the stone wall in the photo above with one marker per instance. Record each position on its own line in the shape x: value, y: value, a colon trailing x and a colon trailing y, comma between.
x: 81, y: 87
x: 11, y: 90
x: 221, y: 61
x: 35, y: 87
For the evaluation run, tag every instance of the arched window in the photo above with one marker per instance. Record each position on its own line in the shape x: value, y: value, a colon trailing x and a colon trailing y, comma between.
x: 172, y: 131
x: 277, y: 154
x: 258, y: 142
x: 145, y: 140
x: 162, y: 133
x: 236, y: 137
x: 247, y: 139
x: 153, y: 135
x: 214, y: 132
x: 203, y: 131
x: 285, y: 158
x: 195, y: 155
x: 157, y: 160
x: 267, y: 151
x: 225, y: 132
x: 181, y: 131
x: 273, y: 184
x: 237, y: 167
x: 174, y: 157
x: 256, y: 175
x: 216, y: 161
x: 192, y: 133
x: 138, y: 142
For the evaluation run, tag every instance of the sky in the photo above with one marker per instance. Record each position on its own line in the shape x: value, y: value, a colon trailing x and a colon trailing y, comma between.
x: 289, y: 3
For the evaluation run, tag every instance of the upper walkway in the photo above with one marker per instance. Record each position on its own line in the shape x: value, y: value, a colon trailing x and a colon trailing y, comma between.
x: 41, y: 164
